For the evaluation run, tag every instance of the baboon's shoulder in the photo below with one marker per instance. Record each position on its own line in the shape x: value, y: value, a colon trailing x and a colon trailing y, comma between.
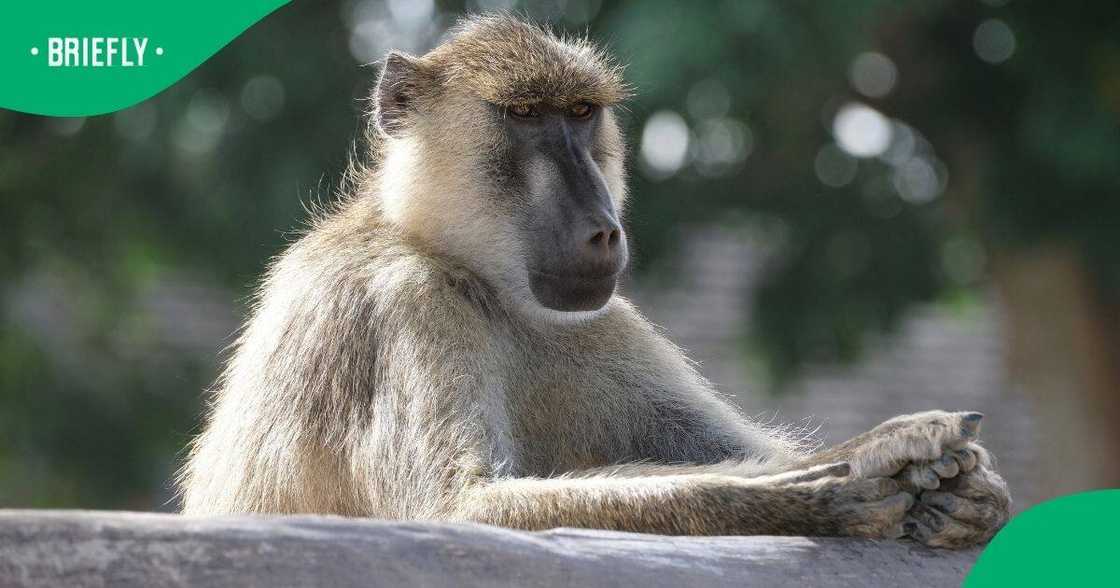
x: 377, y: 265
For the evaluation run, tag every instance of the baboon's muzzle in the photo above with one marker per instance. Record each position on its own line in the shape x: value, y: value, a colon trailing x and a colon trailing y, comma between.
x: 579, y: 246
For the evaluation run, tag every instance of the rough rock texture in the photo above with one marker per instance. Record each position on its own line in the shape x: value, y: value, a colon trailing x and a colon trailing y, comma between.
x: 78, y: 549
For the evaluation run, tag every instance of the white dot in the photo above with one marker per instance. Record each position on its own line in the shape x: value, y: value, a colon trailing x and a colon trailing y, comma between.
x: 204, y: 124
x: 263, y: 97
x: 917, y: 181
x: 34, y: 50
x: 903, y: 144
x: 994, y: 41
x: 861, y: 131
x: 159, y: 50
x: 873, y: 74
x: 664, y: 143
x: 721, y: 145
x: 411, y: 15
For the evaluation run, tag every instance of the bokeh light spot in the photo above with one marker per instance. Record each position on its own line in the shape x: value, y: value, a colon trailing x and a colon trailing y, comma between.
x: 66, y: 126
x: 861, y: 131
x: 263, y: 97
x: 994, y: 41
x: 411, y: 14
x: 722, y: 144
x: 664, y: 143
x: 873, y: 74
x: 903, y: 144
x: 376, y: 27
x: 491, y: 5
x: 834, y: 167
x: 917, y: 181
x: 136, y: 123
x: 201, y: 128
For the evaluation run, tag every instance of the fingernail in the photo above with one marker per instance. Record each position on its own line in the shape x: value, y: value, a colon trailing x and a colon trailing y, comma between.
x: 970, y: 424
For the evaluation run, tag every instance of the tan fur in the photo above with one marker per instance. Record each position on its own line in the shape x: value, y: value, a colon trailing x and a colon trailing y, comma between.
x: 396, y: 365
x: 506, y: 61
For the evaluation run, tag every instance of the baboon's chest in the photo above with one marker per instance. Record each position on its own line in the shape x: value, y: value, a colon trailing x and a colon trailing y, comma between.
x: 570, y: 415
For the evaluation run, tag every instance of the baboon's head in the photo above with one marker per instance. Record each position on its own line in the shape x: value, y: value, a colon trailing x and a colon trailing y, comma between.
x: 501, y: 150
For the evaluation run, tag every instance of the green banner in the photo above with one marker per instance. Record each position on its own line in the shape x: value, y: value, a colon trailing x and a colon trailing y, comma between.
x: 1068, y: 541
x: 82, y: 58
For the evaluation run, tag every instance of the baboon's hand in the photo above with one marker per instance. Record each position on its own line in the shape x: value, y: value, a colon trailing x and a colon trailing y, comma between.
x: 928, y: 475
x: 963, y: 509
x: 835, y: 503
x: 961, y: 500
x: 866, y: 507
x: 922, y: 438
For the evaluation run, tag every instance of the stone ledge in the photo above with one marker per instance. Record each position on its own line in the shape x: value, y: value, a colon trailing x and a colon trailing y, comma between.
x: 90, y: 548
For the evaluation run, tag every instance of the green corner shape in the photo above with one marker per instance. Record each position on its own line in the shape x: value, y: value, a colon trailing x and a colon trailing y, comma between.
x: 1069, y: 541
x: 176, y: 37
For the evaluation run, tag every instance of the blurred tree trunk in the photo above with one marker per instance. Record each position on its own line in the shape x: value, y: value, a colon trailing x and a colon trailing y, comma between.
x: 1066, y: 358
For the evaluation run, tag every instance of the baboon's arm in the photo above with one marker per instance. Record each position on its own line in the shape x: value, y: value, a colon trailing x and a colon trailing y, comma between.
x: 806, y: 503
x: 691, y: 421
x: 915, y: 439
x: 693, y: 424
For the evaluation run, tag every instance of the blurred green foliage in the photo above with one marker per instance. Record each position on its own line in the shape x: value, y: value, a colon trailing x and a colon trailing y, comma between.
x: 127, y: 237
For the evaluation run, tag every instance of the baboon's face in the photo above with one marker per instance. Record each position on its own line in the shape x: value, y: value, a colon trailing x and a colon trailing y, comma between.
x: 501, y: 151
x: 574, y: 246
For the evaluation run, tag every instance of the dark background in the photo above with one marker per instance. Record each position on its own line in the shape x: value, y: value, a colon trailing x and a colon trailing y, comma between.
x: 885, y: 154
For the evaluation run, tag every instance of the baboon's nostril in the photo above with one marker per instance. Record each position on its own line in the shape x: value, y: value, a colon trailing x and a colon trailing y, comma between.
x: 604, y: 242
x: 609, y: 239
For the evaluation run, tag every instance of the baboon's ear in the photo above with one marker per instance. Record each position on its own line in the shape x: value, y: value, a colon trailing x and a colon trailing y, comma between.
x: 402, y: 82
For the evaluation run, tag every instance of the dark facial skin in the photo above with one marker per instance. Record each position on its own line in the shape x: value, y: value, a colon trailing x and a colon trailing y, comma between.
x: 577, y: 247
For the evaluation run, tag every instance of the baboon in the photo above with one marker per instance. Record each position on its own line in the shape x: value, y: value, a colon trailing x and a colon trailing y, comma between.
x: 447, y: 344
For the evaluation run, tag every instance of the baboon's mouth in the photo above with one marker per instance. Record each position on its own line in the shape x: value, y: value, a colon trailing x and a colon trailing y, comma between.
x: 573, y: 292
x: 588, y: 277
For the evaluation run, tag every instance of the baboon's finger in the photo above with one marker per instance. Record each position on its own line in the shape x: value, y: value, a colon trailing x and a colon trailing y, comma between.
x: 965, y: 459
x: 944, y: 501
x: 982, y: 485
x: 899, y: 504
x: 886, y: 513
x: 917, y: 477
x: 908, y: 486
x: 937, y: 529
x: 946, y: 466
x: 867, y: 516
x: 970, y: 424
x: 974, y: 513
x: 872, y: 489
x: 983, y: 456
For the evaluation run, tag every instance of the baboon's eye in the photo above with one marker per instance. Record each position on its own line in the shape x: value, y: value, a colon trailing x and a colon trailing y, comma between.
x: 524, y: 111
x: 580, y: 110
